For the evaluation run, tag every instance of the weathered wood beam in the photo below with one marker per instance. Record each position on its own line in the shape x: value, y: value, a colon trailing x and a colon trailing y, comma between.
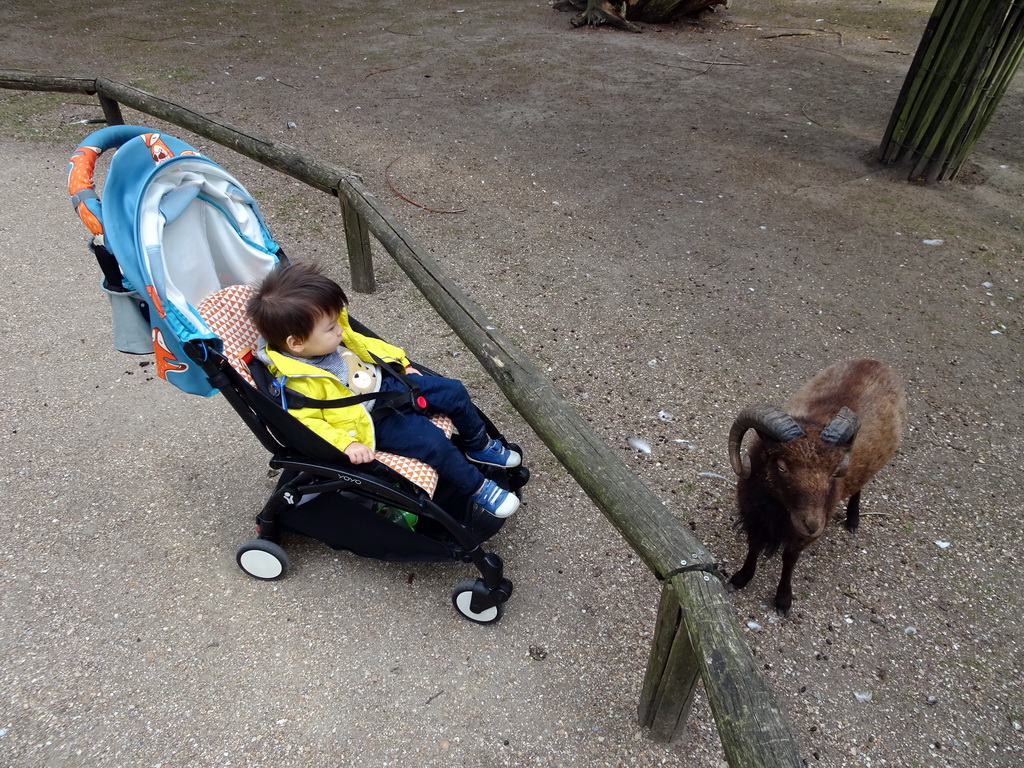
x: 655, y: 533
x: 277, y: 155
x: 752, y: 728
x: 16, y: 79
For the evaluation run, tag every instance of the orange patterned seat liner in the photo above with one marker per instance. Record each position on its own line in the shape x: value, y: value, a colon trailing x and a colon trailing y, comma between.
x: 224, y: 313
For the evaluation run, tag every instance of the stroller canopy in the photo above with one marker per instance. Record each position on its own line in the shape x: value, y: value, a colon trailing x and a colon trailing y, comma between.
x: 181, y: 228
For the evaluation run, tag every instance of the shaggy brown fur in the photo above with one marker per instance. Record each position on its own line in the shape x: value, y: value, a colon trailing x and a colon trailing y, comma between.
x: 788, y: 493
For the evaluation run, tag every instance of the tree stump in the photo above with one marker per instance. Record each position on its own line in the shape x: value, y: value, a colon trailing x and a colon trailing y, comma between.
x: 597, y: 12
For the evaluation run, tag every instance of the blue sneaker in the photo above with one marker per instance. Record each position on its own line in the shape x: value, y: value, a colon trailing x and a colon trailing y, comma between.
x: 495, y: 499
x: 495, y: 454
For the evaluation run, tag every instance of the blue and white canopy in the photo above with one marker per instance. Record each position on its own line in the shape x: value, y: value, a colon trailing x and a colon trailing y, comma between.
x: 181, y: 228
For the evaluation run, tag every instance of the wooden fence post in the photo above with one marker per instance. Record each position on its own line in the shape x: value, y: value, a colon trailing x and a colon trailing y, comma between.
x: 672, y: 673
x: 357, y: 238
x: 753, y: 729
x: 111, y: 111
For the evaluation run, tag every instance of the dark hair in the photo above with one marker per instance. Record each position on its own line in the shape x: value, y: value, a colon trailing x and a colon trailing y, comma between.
x: 291, y: 300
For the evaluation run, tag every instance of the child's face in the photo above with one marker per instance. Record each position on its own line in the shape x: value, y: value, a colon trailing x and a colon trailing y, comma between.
x: 325, y: 338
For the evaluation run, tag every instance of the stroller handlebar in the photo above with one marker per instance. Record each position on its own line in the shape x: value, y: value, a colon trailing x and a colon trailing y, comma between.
x: 82, y: 166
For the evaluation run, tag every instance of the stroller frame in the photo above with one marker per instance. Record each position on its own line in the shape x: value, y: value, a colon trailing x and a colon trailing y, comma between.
x: 320, y: 494
x: 480, y: 600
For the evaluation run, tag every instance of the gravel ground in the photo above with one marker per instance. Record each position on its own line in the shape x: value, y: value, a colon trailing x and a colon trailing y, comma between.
x: 673, y: 225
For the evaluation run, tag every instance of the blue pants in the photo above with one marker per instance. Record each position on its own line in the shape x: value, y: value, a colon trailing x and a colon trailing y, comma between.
x: 407, y: 433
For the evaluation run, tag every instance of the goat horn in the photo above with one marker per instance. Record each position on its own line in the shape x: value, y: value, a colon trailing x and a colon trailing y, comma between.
x: 769, y: 422
x: 842, y: 429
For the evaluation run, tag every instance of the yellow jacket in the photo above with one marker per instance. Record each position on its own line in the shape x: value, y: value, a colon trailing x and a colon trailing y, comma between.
x: 339, y: 426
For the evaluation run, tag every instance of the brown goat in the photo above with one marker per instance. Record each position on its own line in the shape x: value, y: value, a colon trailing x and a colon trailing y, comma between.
x: 829, y: 439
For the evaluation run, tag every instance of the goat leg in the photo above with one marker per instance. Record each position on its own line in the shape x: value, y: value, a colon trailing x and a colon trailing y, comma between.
x: 784, y: 594
x: 742, y: 577
x: 853, y: 513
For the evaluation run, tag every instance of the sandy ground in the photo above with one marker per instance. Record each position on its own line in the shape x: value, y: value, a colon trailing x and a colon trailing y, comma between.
x: 673, y: 225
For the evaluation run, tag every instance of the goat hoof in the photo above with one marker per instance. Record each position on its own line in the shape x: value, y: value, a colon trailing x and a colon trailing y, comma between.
x: 736, y: 584
x: 783, y: 604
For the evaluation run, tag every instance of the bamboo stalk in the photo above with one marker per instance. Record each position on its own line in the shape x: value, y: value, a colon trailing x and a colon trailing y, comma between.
x: 890, y: 148
x: 1002, y: 30
x: 967, y: 76
x: 1007, y: 61
x: 964, y: 63
x: 944, y: 97
x: 918, y: 81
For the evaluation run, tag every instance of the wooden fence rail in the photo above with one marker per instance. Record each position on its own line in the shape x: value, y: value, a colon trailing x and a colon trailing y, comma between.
x: 697, y: 637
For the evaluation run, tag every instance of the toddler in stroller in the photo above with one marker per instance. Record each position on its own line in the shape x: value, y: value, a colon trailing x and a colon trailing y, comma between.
x: 368, y: 398
x: 181, y: 243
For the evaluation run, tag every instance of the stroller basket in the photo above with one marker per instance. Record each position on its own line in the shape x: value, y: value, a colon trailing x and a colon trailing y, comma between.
x: 179, y: 242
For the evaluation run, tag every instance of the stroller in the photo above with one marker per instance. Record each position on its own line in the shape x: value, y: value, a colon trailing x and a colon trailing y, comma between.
x: 180, y: 242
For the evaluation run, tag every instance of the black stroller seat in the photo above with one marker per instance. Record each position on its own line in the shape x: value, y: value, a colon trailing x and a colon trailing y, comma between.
x: 366, y: 511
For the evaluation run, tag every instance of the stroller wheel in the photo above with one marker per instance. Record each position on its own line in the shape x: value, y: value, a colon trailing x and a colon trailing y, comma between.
x: 517, y: 478
x: 462, y: 599
x: 262, y: 559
